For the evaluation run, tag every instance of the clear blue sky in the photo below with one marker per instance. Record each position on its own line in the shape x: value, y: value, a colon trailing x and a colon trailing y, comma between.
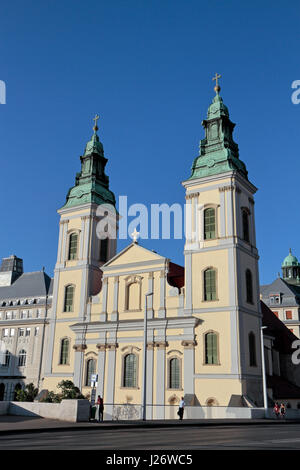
x: 146, y: 67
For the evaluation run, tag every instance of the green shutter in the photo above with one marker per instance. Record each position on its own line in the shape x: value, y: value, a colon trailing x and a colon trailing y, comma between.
x: 211, y: 348
x: 210, y: 290
x: 209, y: 224
x: 174, y: 373
x: 130, y: 371
x: 73, y: 243
x: 69, y: 297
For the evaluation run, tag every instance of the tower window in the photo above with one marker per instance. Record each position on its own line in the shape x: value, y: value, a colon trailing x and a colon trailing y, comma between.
x: 246, y: 226
x: 209, y: 224
x: 73, y: 244
x: 69, y: 298
x: 210, y: 288
x: 249, y: 287
x: 211, y: 348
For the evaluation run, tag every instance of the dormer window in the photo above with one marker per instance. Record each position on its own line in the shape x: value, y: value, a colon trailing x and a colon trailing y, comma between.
x: 275, y: 299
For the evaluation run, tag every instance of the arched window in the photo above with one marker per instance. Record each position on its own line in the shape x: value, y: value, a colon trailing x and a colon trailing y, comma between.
x: 245, y: 217
x: 252, y: 350
x: 174, y: 373
x: 211, y: 348
x: 90, y: 370
x: 69, y: 298
x: 22, y: 358
x: 64, y: 351
x: 209, y: 223
x: 210, y: 285
x: 73, y: 246
x: 130, y: 366
x: 249, y: 287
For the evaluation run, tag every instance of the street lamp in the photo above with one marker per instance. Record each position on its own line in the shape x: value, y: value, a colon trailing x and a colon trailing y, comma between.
x: 264, y: 371
x: 145, y: 357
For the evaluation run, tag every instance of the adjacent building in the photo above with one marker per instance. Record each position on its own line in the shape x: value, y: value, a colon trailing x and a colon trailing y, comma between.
x: 25, y: 304
x: 282, y: 296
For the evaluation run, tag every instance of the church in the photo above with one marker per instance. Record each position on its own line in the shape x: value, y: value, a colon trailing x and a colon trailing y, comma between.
x: 202, y: 339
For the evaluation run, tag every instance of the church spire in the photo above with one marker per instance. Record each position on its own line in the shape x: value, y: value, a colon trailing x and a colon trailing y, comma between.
x: 218, y: 151
x: 91, y: 183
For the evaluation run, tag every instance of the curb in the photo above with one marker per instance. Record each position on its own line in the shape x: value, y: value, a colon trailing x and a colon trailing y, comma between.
x: 119, y: 426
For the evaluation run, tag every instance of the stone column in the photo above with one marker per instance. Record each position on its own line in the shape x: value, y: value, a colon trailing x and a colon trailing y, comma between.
x: 150, y: 311
x: 222, y: 231
x: 78, y: 364
x: 162, y: 298
x: 101, y: 369
x: 230, y: 214
x: 110, y: 380
x: 160, y: 378
x: 115, y: 314
x: 103, y: 314
x: 149, y: 392
x: 189, y: 367
x: 64, y: 241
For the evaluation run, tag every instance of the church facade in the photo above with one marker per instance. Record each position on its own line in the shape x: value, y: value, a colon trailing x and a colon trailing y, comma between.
x: 203, y: 321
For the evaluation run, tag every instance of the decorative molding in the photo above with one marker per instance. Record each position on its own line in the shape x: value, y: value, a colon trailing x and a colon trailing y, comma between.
x: 175, y: 351
x: 131, y: 349
x: 191, y: 195
x: 101, y: 347
x: 112, y: 347
x: 80, y: 347
x: 227, y: 188
x: 161, y: 344
x: 189, y: 344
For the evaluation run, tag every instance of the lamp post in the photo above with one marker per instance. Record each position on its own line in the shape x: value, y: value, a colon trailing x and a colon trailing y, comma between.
x: 145, y: 358
x: 264, y: 371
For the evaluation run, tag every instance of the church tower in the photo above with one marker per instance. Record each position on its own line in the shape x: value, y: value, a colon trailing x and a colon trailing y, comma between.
x: 221, y: 267
x: 81, y: 253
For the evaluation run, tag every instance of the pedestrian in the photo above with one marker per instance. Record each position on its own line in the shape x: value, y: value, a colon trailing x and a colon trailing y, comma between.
x: 276, y: 409
x: 181, y: 408
x: 282, y: 410
x: 100, y: 408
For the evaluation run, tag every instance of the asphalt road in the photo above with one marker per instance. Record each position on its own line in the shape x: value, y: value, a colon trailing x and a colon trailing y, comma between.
x: 285, y: 436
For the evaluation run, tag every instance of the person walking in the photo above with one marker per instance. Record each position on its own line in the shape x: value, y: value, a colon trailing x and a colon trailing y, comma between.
x: 276, y: 410
x: 282, y: 410
x: 100, y: 409
x: 181, y: 408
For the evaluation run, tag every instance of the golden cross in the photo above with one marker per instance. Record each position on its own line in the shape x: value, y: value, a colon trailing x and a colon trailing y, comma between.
x: 216, y: 77
x: 96, y: 119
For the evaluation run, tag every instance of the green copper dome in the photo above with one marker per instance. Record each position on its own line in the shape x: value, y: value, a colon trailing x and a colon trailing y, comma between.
x: 218, y: 153
x: 290, y: 260
x: 91, y: 183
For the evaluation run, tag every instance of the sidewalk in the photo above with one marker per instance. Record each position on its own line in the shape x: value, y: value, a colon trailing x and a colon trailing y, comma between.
x: 24, y: 424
